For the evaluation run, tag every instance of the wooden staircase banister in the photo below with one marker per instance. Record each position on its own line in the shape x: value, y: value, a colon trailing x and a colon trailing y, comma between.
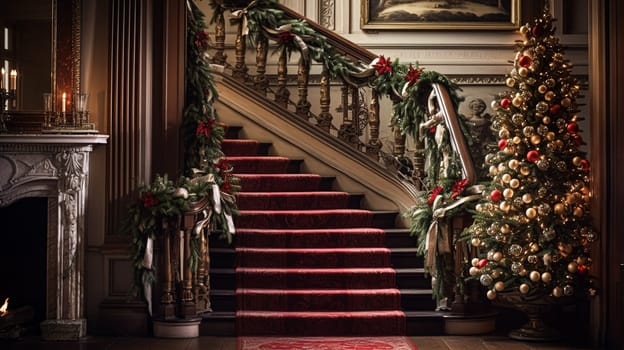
x: 340, y: 43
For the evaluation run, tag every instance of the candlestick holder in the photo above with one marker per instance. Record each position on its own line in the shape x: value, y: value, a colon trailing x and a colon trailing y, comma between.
x: 76, y: 122
x: 7, y: 97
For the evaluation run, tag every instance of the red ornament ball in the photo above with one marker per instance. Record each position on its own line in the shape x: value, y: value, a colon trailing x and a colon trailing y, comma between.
x: 481, y: 264
x: 572, y: 128
x: 496, y: 195
x: 585, y: 165
x: 505, y: 103
x: 502, y: 144
x: 537, y: 30
x: 555, y: 109
x: 524, y: 61
x: 532, y: 156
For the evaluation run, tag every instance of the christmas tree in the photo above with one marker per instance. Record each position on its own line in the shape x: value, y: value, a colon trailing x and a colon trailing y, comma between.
x: 532, y: 228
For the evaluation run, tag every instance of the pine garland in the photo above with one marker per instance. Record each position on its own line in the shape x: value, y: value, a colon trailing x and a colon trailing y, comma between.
x: 204, y: 164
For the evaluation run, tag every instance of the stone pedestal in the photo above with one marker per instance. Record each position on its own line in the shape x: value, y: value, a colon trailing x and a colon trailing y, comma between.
x: 187, y: 328
x: 63, y: 330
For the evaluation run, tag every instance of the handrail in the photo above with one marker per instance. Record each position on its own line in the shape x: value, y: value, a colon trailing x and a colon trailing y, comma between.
x: 340, y: 43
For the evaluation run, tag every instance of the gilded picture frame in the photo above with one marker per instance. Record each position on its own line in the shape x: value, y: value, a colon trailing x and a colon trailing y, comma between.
x: 379, y: 15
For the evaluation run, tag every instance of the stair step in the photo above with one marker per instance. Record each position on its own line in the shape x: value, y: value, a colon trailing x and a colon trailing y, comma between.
x: 400, y: 237
x: 310, y: 238
x: 260, y: 165
x: 371, y: 323
x: 412, y: 278
x: 283, y: 182
x: 406, y: 257
x: 306, y: 278
x: 240, y: 147
x: 292, y: 219
x: 318, y: 299
x: 313, y: 257
x: 233, y: 131
x: 293, y: 200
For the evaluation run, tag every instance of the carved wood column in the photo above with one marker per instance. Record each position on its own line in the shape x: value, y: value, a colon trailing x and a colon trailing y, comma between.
x: 131, y: 114
x: 325, y: 118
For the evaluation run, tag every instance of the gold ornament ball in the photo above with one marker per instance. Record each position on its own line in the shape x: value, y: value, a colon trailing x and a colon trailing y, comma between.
x: 496, y: 273
x: 499, y: 286
x: 475, y: 242
x: 546, y: 277
x: 559, y: 208
x: 503, y: 133
x: 536, y: 139
x: 504, y: 206
x: 506, y: 178
x: 510, y: 82
x: 523, y: 272
x: 573, y: 267
x: 513, y: 164
x: 505, y: 229
x: 473, y: 271
x: 491, y: 294
x: 577, y: 161
x: 498, y: 256
x: 524, y: 288
x: 523, y: 72
x: 578, y: 212
x: 517, y: 101
x: 542, y: 89
x: 524, y: 29
x: 525, y: 170
x: 550, y: 82
x: 531, y: 213
x: 508, y: 193
x: 527, y: 198
x: 534, y: 247
x: 494, y: 104
x: 557, y: 292
x: 549, y: 95
x: 547, y: 259
x: 546, y: 120
x: 516, y: 140
x: 514, y: 183
x: 474, y: 261
x: 566, y: 102
x: 534, y: 276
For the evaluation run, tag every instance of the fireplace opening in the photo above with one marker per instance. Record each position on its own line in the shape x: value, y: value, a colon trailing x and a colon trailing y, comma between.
x: 23, y: 260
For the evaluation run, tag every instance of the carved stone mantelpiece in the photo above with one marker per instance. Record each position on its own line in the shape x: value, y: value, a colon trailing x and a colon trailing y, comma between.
x: 55, y: 167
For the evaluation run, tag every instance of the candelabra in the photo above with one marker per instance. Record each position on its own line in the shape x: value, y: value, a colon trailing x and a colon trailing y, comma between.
x: 62, y: 122
x: 7, y: 98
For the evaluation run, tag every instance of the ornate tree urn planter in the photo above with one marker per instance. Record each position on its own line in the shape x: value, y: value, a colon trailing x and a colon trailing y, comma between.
x: 535, y: 308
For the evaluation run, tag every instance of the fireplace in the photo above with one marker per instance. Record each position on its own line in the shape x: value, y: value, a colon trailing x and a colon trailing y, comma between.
x: 23, y: 258
x: 55, y: 168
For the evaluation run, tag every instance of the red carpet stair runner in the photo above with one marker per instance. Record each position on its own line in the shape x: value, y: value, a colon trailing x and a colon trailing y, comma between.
x: 309, y: 262
x: 311, y: 286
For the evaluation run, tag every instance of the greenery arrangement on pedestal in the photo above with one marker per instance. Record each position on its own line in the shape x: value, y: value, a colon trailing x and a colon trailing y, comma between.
x: 533, y: 227
x: 207, y: 173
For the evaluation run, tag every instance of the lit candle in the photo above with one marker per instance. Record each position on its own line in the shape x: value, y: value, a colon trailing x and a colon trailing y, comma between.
x: 13, y: 79
x: 63, y: 102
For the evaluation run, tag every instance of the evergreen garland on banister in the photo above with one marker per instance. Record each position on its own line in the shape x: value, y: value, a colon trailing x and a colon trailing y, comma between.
x: 206, y: 172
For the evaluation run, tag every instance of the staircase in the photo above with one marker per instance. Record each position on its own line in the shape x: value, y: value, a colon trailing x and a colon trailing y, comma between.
x: 309, y: 261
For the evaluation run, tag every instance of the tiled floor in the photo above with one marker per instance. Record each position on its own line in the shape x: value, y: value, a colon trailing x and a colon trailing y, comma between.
x: 224, y: 343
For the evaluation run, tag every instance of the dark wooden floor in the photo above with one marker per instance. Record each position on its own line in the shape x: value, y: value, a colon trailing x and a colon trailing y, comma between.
x: 229, y: 343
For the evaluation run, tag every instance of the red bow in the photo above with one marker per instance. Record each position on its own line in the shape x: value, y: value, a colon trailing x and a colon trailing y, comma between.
x: 383, y: 65
x: 458, y: 188
x: 148, y: 200
x: 434, y: 193
x: 205, y: 127
x: 413, y: 75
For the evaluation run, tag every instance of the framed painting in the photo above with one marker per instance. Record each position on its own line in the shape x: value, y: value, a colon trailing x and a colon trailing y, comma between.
x: 440, y: 14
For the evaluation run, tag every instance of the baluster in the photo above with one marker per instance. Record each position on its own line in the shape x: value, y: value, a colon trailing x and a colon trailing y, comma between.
x: 374, y: 145
x: 188, y: 308
x: 303, y: 77
x: 398, y: 150
x: 167, y: 306
x: 220, y: 57
x: 202, y: 280
x: 346, y: 129
x: 260, y: 80
x: 355, y: 115
x: 419, y: 162
x: 325, y: 117
x: 239, y: 71
x: 282, y: 94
